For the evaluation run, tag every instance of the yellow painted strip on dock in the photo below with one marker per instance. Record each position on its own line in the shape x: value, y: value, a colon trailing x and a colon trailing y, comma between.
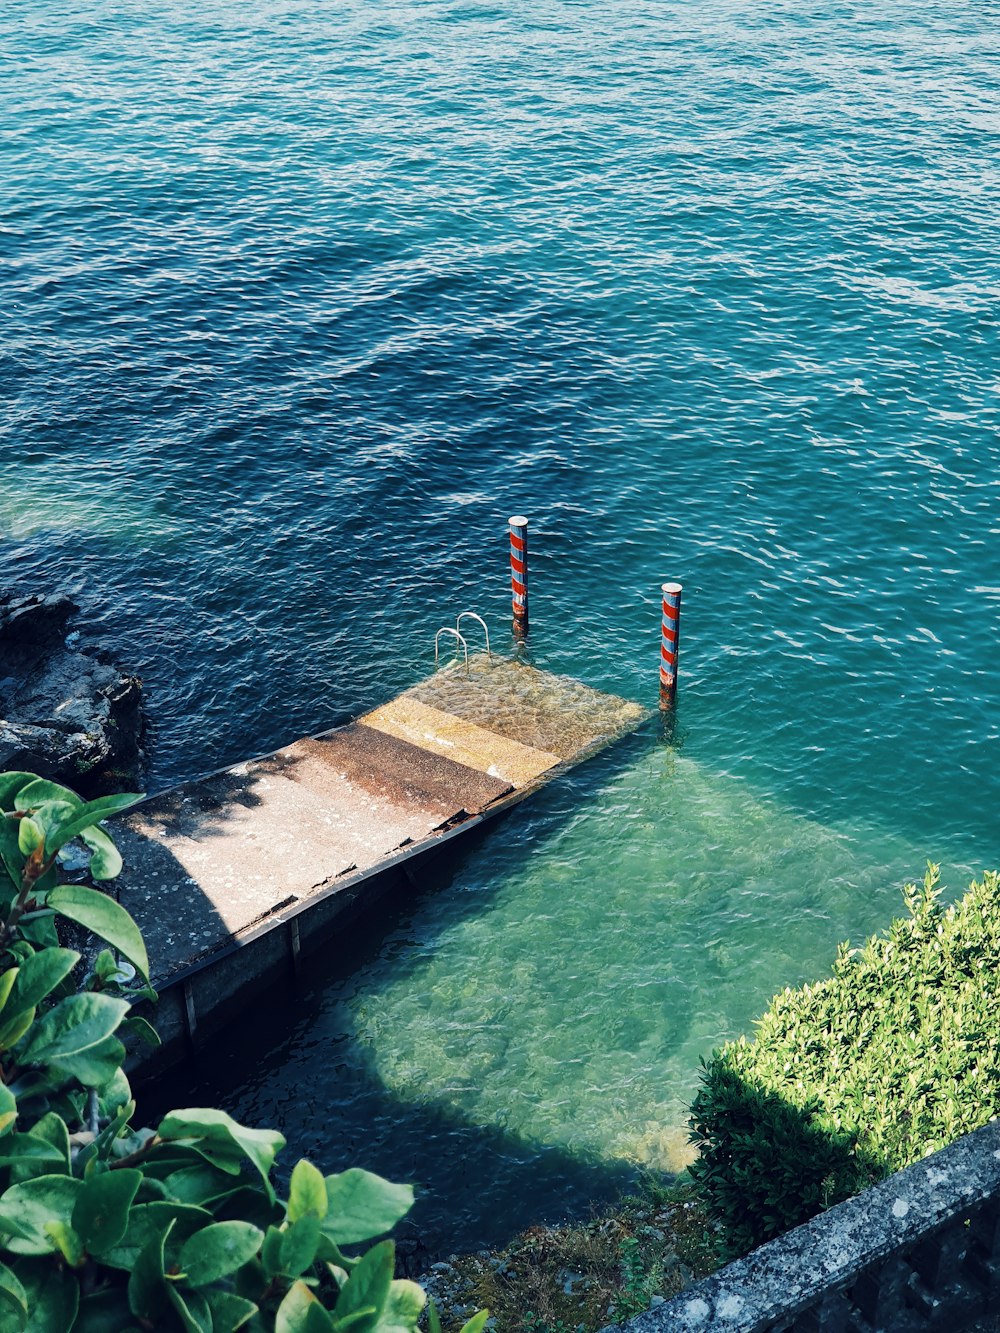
x: 465, y: 742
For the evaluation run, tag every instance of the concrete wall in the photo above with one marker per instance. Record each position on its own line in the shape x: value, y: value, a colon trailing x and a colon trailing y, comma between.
x: 920, y: 1251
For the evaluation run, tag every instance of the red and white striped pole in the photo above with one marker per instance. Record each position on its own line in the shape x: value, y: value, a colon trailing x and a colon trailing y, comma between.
x: 669, y: 639
x: 519, y: 571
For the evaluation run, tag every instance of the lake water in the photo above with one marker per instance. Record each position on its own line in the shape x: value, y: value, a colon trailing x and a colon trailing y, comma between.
x: 301, y: 301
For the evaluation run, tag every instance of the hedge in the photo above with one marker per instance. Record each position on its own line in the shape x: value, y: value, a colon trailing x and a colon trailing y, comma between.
x: 847, y: 1080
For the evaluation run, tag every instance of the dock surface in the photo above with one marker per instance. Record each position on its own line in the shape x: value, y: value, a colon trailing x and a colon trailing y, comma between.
x: 217, y: 858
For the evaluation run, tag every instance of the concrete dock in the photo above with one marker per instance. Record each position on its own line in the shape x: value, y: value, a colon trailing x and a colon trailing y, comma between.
x: 233, y: 877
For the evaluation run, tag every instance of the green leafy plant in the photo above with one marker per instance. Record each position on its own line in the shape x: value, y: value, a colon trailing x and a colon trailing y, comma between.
x: 108, y: 1228
x: 639, y: 1281
x: 858, y: 1075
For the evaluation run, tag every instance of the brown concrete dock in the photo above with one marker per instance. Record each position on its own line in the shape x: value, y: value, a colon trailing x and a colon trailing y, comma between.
x: 282, y: 845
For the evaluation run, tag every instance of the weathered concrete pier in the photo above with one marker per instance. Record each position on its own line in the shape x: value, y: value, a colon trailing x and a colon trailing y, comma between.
x: 233, y: 878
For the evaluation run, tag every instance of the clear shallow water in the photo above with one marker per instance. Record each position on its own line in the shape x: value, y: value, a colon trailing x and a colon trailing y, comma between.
x: 300, y: 303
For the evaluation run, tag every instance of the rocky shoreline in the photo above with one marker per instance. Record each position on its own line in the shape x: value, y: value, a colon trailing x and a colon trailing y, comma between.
x: 67, y: 712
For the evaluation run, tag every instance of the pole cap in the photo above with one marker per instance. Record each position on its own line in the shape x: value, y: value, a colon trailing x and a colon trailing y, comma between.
x: 672, y: 589
x: 518, y: 521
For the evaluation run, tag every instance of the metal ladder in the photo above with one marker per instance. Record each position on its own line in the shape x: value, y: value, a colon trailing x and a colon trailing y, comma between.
x: 460, y: 638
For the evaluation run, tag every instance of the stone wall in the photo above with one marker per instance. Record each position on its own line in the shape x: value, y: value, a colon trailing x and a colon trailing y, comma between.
x: 920, y: 1251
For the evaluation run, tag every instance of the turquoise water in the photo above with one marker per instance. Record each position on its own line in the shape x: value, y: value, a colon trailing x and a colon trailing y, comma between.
x: 301, y: 302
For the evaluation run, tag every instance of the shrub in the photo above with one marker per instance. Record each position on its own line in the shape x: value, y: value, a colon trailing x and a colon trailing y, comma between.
x: 109, y: 1228
x: 850, y: 1079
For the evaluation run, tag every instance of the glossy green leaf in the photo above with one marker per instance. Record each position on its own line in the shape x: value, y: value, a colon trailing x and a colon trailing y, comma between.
x: 10, y: 784
x: 361, y: 1321
x: 148, y: 1220
x: 107, y: 1142
x: 105, y: 1312
x: 26, y: 1210
x: 147, y: 1283
x: 222, y: 1141
x: 29, y: 835
x: 67, y: 1242
x: 10, y: 850
x: 53, y: 1129
x: 192, y: 1310
x: 7, y: 980
x: 105, y: 860
x: 299, y: 1245
x: 100, y: 1214
x: 270, y: 1252
x: 106, y: 918
x: 115, y: 1095
x: 229, y: 1311
x: 53, y: 1296
x: 8, y: 1111
x: 403, y: 1308
x: 433, y: 1319
x: 31, y: 1150
x: 13, y: 1302
x: 38, y: 976
x: 39, y: 928
x: 39, y: 791
x: 307, y: 1195
x: 200, y: 1184
x: 368, y: 1284
x: 91, y: 812
x: 301, y: 1312
x: 14, y: 1029
x: 142, y: 1031
x: 106, y: 968
x: 75, y: 1024
x: 477, y: 1323
x: 49, y: 815
x: 361, y: 1205
x: 95, y: 1067
x: 219, y: 1250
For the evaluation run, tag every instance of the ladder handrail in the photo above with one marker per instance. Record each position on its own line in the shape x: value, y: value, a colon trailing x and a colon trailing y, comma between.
x: 447, y: 629
x: 476, y: 616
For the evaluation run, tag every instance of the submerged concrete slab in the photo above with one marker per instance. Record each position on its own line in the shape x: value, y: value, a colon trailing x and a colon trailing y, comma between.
x: 515, y: 700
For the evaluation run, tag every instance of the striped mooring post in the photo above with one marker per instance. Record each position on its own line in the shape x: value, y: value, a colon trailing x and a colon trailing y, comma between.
x: 669, y: 637
x: 519, y: 572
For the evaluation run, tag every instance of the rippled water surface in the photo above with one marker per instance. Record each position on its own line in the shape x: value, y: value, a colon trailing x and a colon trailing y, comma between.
x: 301, y: 301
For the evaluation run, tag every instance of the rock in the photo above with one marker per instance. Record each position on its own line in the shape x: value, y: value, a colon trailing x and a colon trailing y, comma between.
x: 29, y: 625
x: 570, y: 1281
x: 65, y: 714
